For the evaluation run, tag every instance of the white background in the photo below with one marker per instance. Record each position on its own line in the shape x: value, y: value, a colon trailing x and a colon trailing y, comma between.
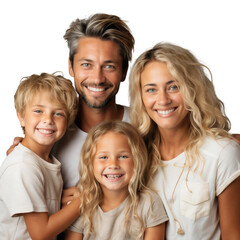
x: 31, y: 41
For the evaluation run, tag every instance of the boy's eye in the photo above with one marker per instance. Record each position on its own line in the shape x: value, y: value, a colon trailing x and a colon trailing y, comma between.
x: 60, y: 114
x: 37, y: 111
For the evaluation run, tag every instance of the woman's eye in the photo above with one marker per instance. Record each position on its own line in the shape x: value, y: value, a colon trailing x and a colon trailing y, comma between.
x: 150, y: 90
x: 173, y: 88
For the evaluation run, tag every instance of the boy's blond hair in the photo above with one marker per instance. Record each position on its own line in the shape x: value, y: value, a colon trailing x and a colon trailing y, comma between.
x: 60, y: 89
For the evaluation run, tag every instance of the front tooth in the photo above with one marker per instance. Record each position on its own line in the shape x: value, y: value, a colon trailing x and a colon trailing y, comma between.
x: 166, y: 112
x: 96, y: 89
x: 113, y: 176
x: 45, y: 131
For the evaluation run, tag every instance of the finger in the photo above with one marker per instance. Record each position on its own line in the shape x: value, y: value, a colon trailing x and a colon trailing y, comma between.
x: 17, y: 140
x: 10, y: 149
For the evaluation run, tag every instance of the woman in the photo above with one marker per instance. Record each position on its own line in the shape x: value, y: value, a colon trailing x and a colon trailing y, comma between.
x: 195, y: 164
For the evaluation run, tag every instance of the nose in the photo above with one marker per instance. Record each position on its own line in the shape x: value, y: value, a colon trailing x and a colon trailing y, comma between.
x: 98, y: 75
x: 113, y: 163
x: 47, y: 118
x: 163, y: 98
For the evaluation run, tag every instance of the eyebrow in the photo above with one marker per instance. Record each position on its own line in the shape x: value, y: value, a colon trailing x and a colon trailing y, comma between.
x: 90, y: 60
x: 154, y: 84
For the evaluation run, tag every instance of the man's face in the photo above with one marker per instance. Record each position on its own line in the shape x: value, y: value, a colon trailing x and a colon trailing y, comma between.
x: 97, y: 71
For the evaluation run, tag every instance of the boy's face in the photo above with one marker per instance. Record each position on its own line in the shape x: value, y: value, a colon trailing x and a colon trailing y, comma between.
x: 45, y: 122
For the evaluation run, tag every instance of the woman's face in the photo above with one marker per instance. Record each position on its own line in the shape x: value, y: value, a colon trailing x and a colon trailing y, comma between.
x: 162, y: 98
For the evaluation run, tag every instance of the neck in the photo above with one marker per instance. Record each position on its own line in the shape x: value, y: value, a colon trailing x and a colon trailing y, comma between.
x: 42, y: 151
x: 112, y: 199
x: 88, y: 117
x: 173, y: 141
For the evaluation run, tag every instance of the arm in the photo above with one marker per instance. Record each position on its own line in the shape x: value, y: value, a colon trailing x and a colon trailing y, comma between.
x: 42, y: 226
x: 229, y: 211
x: 155, y: 233
x: 236, y: 138
x: 73, y: 235
x: 69, y: 194
x: 16, y: 141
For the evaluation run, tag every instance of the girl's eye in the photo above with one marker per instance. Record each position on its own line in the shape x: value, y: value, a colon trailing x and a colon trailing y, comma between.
x: 123, y: 156
x: 103, y: 157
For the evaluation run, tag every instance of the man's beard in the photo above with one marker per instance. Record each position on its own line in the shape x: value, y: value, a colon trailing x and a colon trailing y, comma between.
x: 97, y: 104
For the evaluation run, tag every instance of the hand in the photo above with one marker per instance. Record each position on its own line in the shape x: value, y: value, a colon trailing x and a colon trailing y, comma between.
x: 16, y: 141
x: 236, y: 138
x: 69, y: 194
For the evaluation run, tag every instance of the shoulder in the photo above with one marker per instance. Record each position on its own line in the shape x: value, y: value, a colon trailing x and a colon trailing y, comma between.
x: 216, y: 147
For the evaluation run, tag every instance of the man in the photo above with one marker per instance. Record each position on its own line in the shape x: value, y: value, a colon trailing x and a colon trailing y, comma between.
x: 100, y: 49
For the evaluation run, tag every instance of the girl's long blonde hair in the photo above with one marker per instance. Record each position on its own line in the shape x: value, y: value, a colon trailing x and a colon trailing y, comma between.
x: 91, y: 193
x: 206, y: 112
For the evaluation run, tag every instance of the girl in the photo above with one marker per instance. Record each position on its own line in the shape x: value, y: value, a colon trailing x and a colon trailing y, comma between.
x: 115, y: 202
x: 176, y: 110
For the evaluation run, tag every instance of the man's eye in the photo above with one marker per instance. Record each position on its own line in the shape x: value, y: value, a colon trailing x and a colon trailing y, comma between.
x: 86, y: 65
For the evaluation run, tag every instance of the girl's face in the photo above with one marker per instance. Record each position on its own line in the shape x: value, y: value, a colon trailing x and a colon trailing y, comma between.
x: 161, y: 97
x: 113, y: 163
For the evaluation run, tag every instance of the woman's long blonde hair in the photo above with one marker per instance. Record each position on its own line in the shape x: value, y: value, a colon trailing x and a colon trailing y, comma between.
x: 206, y: 112
x: 91, y: 193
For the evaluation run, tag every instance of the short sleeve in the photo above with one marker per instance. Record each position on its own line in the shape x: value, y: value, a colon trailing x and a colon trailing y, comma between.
x: 155, y: 213
x: 228, y: 166
x: 77, y: 226
x: 22, y: 187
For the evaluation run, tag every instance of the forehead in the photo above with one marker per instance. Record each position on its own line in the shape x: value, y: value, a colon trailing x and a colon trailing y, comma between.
x: 43, y: 97
x: 112, y: 139
x: 96, y: 49
x: 156, y: 72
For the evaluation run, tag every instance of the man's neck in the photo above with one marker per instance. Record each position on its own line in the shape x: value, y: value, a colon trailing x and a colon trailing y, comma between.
x: 88, y: 117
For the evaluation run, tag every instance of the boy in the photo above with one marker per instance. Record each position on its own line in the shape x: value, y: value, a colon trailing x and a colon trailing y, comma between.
x: 30, y: 178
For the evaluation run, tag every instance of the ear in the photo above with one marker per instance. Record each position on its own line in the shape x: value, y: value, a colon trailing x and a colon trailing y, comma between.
x: 70, y: 68
x: 124, y: 74
x: 21, y: 119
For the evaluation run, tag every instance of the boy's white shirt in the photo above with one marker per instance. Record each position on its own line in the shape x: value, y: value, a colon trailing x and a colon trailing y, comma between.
x: 195, y: 201
x: 27, y: 184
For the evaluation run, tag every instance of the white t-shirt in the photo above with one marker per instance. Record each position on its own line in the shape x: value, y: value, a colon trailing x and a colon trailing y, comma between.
x: 110, y: 225
x: 27, y: 184
x: 194, y: 203
x: 68, y: 149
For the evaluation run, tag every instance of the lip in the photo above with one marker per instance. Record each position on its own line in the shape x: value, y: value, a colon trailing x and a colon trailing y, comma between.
x: 166, y: 112
x: 46, y: 131
x: 113, y: 177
